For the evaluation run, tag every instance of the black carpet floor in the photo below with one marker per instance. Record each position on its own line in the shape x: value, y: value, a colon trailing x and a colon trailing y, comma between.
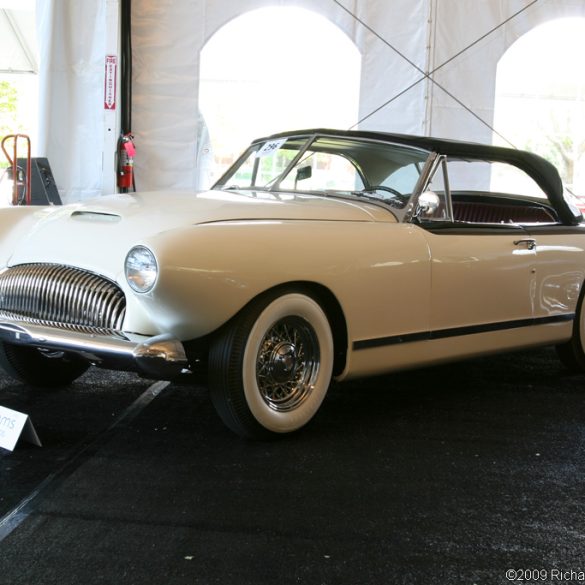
x: 451, y: 475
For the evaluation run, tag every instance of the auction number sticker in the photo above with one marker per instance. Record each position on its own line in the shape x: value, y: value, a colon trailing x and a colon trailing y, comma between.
x: 270, y: 147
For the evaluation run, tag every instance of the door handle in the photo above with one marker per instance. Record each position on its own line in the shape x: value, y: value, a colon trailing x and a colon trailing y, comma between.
x: 528, y: 242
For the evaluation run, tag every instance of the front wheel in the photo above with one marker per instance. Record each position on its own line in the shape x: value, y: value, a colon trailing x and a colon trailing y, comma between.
x: 47, y: 369
x: 270, y: 368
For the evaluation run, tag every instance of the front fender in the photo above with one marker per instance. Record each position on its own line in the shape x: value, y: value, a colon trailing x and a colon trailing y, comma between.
x: 209, y: 272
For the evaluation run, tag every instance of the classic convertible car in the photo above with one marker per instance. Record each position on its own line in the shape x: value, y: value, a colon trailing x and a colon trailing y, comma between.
x: 319, y: 255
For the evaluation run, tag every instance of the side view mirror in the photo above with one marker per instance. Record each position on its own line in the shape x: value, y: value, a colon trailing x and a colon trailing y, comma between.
x: 427, y: 204
x: 304, y: 173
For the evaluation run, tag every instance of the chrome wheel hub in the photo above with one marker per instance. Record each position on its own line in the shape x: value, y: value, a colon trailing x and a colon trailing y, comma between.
x: 282, y: 364
x: 287, y: 364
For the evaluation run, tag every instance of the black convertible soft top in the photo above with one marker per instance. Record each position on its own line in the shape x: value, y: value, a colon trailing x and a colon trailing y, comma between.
x: 543, y: 172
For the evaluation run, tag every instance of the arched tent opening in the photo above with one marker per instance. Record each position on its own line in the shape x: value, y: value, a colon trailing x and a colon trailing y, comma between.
x: 540, y: 97
x: 18, y: 69
x: 270, y: 70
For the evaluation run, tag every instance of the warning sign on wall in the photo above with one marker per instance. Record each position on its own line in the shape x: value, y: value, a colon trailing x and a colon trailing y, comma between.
x: 110, y: 82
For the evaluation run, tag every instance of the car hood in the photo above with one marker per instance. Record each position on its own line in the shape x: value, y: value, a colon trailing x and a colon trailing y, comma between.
x: 114, y: 223
x: 188, y: 208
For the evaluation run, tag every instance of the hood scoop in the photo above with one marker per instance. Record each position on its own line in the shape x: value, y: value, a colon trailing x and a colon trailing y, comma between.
x: 95, y: 216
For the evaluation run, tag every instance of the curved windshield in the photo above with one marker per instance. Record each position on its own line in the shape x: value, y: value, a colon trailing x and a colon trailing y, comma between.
x: 330, y: 165
x: 262, y: 164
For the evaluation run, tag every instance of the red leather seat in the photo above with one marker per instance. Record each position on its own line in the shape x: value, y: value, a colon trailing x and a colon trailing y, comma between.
x: 476, y: 212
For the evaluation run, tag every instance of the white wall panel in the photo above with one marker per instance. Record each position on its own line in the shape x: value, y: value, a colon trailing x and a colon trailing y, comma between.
x: 168, y: 36
x: 167, y: 126
x: 71, y: 76
x: 471, y: 77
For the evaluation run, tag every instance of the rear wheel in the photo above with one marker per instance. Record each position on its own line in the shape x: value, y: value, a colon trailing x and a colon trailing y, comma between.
x: 270, y: 368
x: 572, y: 353
x: 48, y: 369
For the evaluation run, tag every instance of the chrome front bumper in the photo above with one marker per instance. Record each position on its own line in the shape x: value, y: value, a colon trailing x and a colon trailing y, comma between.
x: 160, y: 357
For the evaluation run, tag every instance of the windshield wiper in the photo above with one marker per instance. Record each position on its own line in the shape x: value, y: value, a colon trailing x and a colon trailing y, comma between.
x: 394, y: 199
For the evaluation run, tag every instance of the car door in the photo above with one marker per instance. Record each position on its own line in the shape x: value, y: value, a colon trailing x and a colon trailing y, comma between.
x: 483, y: 266
x: 560, y: 270
x: 482, y: 278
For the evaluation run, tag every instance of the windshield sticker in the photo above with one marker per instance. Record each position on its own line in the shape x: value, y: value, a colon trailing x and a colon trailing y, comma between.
x: 270, y: 147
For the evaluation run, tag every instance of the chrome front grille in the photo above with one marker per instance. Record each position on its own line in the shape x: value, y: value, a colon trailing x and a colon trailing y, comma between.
x: 61, y: 295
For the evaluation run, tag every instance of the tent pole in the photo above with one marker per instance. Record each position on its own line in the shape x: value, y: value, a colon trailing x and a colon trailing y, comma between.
x: 430, y: 65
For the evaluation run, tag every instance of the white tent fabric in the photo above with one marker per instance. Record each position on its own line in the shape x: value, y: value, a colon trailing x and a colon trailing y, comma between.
x: 71, y: 86
x: 472, y: 76
x: 17, y: 40
x: 400, y: 42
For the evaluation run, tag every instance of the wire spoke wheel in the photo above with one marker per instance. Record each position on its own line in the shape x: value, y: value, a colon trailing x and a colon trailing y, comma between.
x: 270, y: 369
x: 287, y: 364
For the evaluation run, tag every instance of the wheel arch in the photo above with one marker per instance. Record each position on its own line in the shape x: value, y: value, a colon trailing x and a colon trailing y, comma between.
x: 330, y: 305
x: 271, y: 365
x: 198, y: 349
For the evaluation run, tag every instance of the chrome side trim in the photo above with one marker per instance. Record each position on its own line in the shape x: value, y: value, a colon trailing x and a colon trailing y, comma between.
x: 461, y: 331
x: 161, y: 357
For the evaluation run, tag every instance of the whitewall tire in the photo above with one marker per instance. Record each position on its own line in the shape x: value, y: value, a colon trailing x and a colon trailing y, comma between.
x: 270, y: 368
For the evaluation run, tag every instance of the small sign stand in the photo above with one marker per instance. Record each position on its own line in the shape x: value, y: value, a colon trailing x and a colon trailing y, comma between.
x: 15, y: 425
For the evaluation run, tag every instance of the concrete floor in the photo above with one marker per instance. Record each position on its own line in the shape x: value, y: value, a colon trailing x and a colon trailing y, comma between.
x: 455, y: 474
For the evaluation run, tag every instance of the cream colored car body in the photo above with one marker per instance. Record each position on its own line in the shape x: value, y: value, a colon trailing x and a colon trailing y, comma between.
x: 217, y: 251
x: 319, y: 254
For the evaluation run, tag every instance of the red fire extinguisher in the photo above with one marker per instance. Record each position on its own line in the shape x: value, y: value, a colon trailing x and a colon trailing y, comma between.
x: 126, y: 153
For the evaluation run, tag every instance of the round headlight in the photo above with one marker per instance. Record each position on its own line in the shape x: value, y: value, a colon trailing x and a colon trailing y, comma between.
x: 141, y: 269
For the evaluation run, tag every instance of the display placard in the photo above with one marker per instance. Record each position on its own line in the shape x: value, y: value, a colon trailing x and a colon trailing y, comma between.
x: 13, y: 426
